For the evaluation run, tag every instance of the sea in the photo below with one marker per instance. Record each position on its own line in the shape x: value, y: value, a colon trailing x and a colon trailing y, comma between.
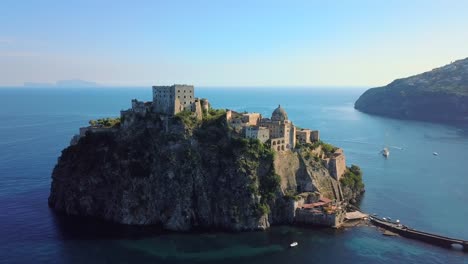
x: 422, y: 190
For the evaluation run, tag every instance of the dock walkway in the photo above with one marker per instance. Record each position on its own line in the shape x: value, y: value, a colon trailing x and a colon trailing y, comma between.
x: 419, y: 235
x: 355, y: 215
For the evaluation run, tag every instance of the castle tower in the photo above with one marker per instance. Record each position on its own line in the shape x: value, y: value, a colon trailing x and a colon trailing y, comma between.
x: 173, y: 99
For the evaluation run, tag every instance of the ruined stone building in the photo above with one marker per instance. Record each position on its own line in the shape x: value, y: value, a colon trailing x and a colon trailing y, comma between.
x: 304, y: 136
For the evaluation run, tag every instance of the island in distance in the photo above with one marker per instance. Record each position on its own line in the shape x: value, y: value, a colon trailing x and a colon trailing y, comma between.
x: 440, y: 95
x: 74, y: 83
x: 178, y: 163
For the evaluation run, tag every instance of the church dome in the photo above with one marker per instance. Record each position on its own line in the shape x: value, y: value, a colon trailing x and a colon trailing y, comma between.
x: 279, y: 114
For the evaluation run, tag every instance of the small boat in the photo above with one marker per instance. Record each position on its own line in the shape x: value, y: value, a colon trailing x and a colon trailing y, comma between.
x: 435, y: 153
x: 293, y: 244
x: 385, y: 152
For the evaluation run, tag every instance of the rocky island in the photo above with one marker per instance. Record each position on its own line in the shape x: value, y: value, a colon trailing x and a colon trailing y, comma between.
x: 440, y: 95
x: 178, y: 163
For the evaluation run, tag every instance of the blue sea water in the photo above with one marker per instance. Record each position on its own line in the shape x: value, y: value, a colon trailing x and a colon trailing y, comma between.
x: 424, y: 191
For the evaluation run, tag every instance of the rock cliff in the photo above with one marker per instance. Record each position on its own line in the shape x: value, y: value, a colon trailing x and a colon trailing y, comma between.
x: 183, y: 174
x: 440, y: 95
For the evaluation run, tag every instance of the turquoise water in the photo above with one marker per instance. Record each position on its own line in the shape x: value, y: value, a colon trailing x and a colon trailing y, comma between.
x: 422, y: 190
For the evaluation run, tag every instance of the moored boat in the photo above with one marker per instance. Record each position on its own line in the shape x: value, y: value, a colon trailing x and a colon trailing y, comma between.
x: 385, y: 152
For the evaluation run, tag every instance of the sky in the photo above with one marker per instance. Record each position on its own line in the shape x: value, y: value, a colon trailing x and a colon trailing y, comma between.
x: 228, y: 43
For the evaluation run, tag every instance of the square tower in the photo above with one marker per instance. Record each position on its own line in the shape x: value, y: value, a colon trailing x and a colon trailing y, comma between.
x: 173, y: 99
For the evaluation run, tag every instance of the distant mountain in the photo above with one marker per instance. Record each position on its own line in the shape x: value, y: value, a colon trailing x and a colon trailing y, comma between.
x: 440, y: 95
x: 75, y: 83
x: 40, y: 85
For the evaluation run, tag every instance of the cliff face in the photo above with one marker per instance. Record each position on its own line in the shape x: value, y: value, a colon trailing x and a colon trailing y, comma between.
x: 439, y: 95
x: 156, y: 171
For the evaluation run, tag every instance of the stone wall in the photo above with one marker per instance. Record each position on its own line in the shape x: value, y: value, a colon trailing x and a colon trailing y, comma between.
x: 205, y: 104
x: 141, y: 107
x: 314, y: 135
x: 251, y: 119
x: 84, y: 130
x: 255, y: 132
x: 303, y: 136
x: 197, y: 109
x: 304, y: 216
x: 337, y: 164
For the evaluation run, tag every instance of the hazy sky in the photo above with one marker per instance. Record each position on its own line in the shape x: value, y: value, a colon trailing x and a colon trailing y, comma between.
x: 229, y: 43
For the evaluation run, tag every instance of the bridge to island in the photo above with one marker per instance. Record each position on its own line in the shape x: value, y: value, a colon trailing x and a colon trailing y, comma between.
x: 434, y: 239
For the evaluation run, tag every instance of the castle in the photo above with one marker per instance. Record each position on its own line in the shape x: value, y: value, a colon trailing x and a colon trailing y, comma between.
x: 171, y: 100
x: 281, y: 133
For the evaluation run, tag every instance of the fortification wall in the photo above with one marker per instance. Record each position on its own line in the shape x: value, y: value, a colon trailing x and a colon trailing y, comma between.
x: 320, y: 219
x: 314, y: 135
x: 337, y: 164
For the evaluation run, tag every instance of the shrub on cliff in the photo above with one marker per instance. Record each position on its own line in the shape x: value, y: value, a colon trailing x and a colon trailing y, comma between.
x: 353, y: 179
x: 107, y: 122
x: 188, y: 118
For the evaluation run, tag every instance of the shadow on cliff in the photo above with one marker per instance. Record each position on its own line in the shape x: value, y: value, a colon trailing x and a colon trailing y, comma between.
x: 86, y: 228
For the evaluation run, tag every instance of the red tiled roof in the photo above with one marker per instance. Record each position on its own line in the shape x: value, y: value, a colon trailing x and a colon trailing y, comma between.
x: 325, y: 200
x: 312, y: 205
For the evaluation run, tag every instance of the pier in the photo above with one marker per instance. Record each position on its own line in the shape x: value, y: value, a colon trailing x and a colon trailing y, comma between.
x: 433, y: 239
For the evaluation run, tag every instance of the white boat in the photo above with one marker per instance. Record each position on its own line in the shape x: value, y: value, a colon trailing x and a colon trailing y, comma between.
x: 435, y: 153
x: 385, y: 152
x: 293, y: 244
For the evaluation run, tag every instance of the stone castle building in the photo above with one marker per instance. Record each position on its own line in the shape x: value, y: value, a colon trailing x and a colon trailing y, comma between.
x: 282, y: 130
x: 171, y: 100
x: 283, y: 135
x: 279, y: 130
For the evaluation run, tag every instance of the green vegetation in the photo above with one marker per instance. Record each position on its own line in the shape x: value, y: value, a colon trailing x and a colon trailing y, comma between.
x: 263, y: 209
x: 328, y: 149
x: 266, y: 185
x: 353, y: 178
x: 252, y: 156
x: 440, y: 95
x: 105, y: 122
x: 213, y: 114
x: 188, y: 118
x: 290, y: 195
